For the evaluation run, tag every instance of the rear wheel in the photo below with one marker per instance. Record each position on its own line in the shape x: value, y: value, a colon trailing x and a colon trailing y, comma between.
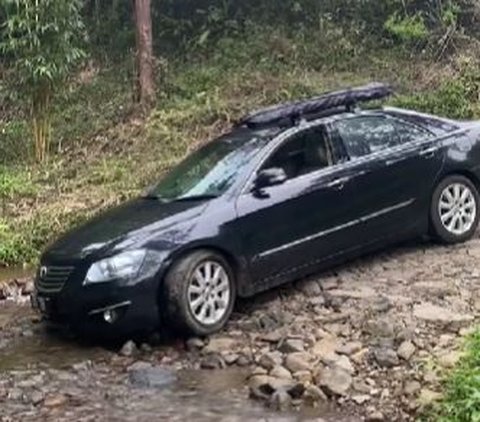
x: 199, y: 293
x: 454, y: 212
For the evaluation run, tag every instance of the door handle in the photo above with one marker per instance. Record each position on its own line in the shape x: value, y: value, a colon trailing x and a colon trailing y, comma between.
x: 338, y: 184
x: 428, y: 152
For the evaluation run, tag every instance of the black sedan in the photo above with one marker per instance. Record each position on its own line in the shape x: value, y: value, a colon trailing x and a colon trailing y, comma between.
x: 291, y: 190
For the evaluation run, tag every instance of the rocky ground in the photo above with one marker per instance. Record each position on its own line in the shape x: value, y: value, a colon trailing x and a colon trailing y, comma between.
x: 371, y: 338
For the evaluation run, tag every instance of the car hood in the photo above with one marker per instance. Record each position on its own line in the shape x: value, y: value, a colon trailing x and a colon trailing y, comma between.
x: 132, y: 224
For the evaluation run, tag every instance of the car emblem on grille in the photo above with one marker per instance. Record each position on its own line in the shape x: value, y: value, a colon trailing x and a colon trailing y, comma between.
x: 43, y: 272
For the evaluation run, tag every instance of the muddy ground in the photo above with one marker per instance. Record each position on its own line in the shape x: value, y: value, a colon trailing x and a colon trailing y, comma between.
x: 366, y: 341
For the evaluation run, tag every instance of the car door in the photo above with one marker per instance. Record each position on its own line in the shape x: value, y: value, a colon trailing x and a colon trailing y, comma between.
x: 396, y: 164
x: 287, y: 227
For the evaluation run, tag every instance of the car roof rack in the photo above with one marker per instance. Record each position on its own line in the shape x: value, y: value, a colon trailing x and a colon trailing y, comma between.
x: 330, y: 103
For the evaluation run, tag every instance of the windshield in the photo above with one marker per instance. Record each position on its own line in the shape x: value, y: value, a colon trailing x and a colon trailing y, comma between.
x: 211, y: 170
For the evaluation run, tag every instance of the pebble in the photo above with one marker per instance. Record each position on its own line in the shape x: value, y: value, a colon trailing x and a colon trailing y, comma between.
x: 406, y: 350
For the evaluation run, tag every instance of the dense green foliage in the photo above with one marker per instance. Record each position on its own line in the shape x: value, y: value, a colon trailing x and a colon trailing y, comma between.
x: 39, y: 42
x: 215, y: 59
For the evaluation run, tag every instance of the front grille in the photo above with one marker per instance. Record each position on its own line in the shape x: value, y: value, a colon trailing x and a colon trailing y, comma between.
x: 51, y: 279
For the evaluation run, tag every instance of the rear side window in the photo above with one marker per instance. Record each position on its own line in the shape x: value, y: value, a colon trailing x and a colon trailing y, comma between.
x: 408, y: 133
x: 366, y: 135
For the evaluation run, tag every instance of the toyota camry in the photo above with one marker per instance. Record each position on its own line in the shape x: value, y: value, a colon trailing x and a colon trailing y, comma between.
x: 290, y: 190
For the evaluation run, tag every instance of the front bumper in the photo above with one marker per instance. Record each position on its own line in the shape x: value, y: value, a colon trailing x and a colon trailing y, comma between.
x: 83, y: 307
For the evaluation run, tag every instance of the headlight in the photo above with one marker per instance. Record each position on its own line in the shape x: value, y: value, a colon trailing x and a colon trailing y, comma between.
x: 124, y: 265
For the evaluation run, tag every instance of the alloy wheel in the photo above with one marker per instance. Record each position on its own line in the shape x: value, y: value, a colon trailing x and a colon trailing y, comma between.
x: 457, y: 208
x: 209, y: 292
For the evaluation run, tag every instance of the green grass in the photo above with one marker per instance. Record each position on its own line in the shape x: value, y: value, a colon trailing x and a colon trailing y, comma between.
x: 461, y: 401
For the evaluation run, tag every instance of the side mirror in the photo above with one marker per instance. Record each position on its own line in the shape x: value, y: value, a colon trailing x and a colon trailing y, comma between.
x: 270, y: 177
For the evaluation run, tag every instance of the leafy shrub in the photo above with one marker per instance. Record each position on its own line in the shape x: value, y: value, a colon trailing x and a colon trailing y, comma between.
x: 409, y: 29
x: 455, y: 98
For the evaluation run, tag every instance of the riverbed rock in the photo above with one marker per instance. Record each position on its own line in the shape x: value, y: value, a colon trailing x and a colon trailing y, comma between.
x: 349, y: 348
x: 280, y: 372
x: 411, y: 388
x: 263, y: 386
x: 343, y: 362
x: 386, y: 357
x: 55, y: 400
x: 309, y: 288
x: 334, y: 381
x: 361, y: 398
x: 194, y: 343
x: 270, y: 359
x: 129, y: 349
x: 292, y: 345
x: 438, y: 314
x: 298, y: 361
x: 213, y: 361
x: 220, y: 344
x: 380, y: 304
x: 325, y: 349
x: 406, y: 350
x: 315, y: 394
x: 280, y: 401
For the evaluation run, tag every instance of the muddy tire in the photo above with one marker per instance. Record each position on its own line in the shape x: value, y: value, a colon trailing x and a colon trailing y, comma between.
x: 199, y: 293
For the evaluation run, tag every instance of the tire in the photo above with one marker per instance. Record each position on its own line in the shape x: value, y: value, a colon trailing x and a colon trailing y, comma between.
x: 188, y: 307
x: 454, y: 210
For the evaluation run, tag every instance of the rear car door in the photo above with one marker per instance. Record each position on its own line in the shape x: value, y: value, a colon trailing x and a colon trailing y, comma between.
x: 394, y: 165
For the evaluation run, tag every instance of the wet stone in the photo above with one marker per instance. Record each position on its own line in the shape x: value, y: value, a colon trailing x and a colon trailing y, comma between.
x: 213, y: 361
x: 280, y: 400
x: 152, y: 377
x: 128, y: 349
x: 194, y: 343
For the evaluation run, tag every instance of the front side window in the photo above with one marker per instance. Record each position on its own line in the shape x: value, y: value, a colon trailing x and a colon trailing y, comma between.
x: 304, y: 153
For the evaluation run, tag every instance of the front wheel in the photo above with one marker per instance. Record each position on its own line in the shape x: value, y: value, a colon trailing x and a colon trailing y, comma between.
x: 199, y: 293
x: 454, y: 210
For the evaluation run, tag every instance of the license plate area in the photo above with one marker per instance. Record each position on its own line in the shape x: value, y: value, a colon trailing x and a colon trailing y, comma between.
x: 42, y: 304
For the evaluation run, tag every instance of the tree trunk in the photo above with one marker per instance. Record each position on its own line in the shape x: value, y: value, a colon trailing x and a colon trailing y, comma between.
x: 144, y: 54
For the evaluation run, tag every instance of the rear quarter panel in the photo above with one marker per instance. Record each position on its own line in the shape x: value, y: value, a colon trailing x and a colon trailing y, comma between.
x: 462, y: 152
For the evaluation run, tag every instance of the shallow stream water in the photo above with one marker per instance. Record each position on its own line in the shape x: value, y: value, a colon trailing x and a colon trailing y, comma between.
x: 201, y: 395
